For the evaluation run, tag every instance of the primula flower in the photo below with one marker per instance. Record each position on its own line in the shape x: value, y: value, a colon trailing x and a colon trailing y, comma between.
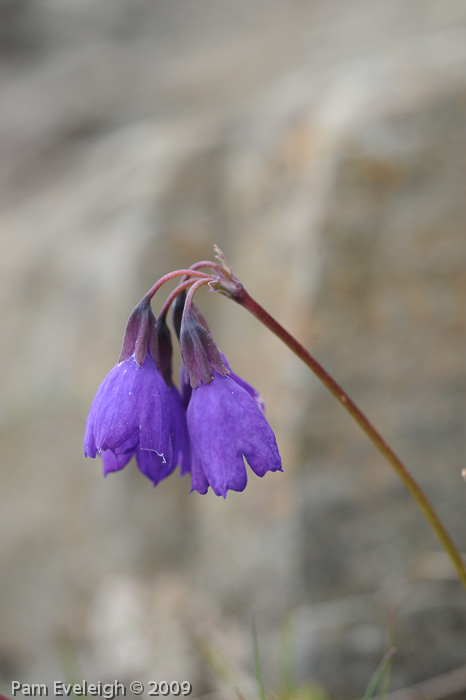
x: 135, y: 411
x: 225, y: 417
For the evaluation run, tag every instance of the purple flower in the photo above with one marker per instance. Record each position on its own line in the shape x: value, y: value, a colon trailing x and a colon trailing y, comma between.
x: 225, y: 423
x: 136, y: 410
x: 225, y: 417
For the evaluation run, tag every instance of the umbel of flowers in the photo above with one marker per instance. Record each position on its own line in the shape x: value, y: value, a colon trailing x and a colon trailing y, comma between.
x: 218, y: 419
x: 210, y: 427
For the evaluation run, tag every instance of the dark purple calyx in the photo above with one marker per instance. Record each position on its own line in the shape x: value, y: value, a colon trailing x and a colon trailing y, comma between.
x: 140, y: 334
x: 177, y: 311
x: 201, y: 356
x: 164, y: 350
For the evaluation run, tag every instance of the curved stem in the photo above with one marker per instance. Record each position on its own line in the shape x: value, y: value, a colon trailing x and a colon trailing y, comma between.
x: 171, y: 275
x: 170, y: 299
x: 207, y: 263
x: 192, y: 292
x: 244, y: 299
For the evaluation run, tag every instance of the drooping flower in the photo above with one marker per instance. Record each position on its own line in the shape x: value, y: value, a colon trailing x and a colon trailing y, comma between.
x: 225, y: 417
x: 136, y: 412
x: 209, y: 430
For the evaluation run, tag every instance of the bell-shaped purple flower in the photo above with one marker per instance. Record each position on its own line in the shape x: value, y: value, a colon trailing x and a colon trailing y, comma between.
x: 136, y: 412
x: 225, y: 423
x: 225, y: 417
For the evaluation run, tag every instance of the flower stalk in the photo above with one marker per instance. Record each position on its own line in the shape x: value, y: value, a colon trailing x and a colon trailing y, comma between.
x: 242, y: 297
x: 171, y: 275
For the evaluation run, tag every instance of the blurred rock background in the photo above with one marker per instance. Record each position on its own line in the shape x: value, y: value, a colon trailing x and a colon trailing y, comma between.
x: 322, y: 145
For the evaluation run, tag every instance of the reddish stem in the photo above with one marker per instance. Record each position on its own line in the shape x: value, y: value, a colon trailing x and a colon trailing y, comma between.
x: 243, y: 298
x: 192, y: 292
x: 171, y: 298
x: 171, y: 275
x: 207, y: 263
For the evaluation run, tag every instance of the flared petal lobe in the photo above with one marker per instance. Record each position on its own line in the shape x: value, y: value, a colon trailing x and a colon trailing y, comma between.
x: 113, y: 463
x: 153, y: 465
x: 225, y: 423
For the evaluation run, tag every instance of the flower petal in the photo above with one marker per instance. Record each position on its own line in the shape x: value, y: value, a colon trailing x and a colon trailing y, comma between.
x: 154, y: 466
x: 128, y: 446
x: 182, y: 447
x: 113, y: 463
x: 224, y: 422
x: 253, y: 393
x: 261, y: 450
x: 90, y: 449
x: 131, y: 399
x: 156, y: 426
x: 118, y: 405
x: 198, y: 478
